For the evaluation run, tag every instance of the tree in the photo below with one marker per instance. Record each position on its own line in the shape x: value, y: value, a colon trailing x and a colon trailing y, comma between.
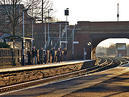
x: 111, y: 50
x: 11, y: 14
x: 13, y: 11
x: 39, y: 8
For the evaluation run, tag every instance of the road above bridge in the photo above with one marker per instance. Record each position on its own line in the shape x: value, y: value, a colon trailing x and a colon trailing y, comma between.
x: 108, y: 83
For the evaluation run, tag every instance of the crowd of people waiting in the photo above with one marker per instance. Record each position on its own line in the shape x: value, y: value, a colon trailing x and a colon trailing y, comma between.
x: 41, y: 56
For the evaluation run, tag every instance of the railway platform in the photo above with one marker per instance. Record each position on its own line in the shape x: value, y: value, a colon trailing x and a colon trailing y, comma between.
x: 84, y: 86
x: 12, y: 76
x: 37, y: 66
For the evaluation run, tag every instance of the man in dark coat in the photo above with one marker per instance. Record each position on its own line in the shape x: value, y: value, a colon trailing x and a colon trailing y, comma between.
x: 44, y: 56
x: 41, y: 56
x: 34, y: 55
x: 65, y: 54
x: 52, y: 52
x: 59, y: 55
x: 29, y: 57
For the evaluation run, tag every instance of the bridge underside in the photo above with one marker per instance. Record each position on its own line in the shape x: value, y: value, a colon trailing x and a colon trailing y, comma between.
x: 97, y: 38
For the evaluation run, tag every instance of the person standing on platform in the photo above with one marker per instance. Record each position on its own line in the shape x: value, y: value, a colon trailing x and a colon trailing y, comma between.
x: 48, y: 56
x: 37, y: 56
x: 34, y: 55
x: 65, y: 54
x: 45, y: 56
x: 52, y: 52
x: 59, y: 55
x: 29, y: 57
x: 41, y: 56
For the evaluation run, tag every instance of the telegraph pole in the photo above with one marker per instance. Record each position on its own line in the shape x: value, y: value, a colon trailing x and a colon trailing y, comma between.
x: 42, y: 11
x: 44, y: 29
x: 117, y: 11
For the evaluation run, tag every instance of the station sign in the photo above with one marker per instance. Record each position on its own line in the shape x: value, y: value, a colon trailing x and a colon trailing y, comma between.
x: 75, y: 42
x: 63, y: 42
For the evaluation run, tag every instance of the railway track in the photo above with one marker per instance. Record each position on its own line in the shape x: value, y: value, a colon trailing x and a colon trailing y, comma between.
x: 103, y: 64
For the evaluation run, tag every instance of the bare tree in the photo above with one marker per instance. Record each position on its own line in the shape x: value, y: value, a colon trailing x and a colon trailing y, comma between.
x: 9, y: 7
x: 13, y: 12
x: 10, y: 10
x: 39, y: 8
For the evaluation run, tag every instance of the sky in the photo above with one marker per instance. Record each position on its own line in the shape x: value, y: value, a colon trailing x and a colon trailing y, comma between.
x: 108, y: 42
x: 92, y: 10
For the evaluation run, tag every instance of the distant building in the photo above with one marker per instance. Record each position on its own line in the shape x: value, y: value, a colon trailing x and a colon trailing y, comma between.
x: 121, y: 49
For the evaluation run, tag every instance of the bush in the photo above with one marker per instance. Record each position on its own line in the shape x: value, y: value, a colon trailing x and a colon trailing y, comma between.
x: 4, y: 45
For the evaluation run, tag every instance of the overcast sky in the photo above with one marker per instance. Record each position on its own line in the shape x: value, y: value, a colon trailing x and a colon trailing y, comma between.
x: 92, y: 10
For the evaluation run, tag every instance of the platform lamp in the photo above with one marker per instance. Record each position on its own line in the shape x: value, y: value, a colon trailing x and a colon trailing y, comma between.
x: 23, y: 36
x: 90, y: 45
x: 23, y: 40
x: 48, y: 25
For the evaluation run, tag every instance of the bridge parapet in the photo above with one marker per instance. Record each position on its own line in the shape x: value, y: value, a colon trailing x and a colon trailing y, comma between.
x: 101, y: 27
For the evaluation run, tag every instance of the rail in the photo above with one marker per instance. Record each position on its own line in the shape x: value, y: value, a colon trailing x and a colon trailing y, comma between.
x: 108, y: 63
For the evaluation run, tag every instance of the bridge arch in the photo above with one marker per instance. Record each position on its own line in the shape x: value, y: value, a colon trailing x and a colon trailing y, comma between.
x: 96, y: 32
x: 96, y: 42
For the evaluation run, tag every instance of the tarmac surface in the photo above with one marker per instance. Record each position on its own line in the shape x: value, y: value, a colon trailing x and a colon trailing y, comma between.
x: 109, y: 83
x: 115, y: 87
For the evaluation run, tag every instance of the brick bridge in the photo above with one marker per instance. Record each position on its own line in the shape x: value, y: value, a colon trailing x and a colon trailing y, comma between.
x: 85, y: 32
x: 95, y: 32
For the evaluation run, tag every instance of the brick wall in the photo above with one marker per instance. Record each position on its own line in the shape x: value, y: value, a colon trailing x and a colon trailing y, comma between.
x: 6, y: 56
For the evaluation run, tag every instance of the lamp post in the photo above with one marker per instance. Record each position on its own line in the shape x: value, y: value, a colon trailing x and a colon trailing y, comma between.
x: 60, y: 35
x: 23, y: 35
x: 48, y: 25
x: 45, y: 35
x: 73, y: 32
x: 32, y: 34
x: 23, y: 40
x: 90, y: 45
x: 32, y: 28
x: 45, y: 40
